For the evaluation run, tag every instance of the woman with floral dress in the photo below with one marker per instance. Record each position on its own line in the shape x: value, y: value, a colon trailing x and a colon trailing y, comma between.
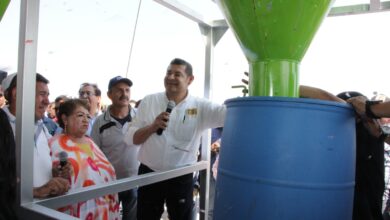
x: 90, y: 165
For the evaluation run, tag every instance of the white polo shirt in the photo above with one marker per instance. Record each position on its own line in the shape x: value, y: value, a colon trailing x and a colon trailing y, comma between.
x: 179, y: 143
x: 111, y: 140
x: 42, y: 160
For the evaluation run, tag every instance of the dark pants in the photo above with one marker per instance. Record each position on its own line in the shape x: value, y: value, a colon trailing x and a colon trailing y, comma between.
x: 129, y: 204
x: 176, y: 192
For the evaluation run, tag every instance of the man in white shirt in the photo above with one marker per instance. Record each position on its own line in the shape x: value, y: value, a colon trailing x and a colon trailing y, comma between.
x: 178, y: 144
x: 44, y: 184
x: 109, y: 133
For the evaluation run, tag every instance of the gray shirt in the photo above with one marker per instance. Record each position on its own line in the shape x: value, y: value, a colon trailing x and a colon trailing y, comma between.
x: 109, y: 135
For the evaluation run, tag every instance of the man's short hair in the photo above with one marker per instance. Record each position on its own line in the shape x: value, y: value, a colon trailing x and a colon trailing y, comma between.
x: 95, y: 87
x: 41, y: 78
x: 178, y: 61
x: 61, y: 98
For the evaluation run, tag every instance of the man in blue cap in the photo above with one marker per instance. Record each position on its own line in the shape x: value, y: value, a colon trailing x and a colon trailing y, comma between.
x: 109, y: 131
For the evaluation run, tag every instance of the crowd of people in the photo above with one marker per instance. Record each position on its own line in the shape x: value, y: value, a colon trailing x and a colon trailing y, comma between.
x: 101, y: 147
x: 77, y: 145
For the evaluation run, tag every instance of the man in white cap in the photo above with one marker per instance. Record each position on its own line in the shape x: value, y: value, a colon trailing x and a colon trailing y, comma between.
x: 109, y: 131
x: 44, y: 184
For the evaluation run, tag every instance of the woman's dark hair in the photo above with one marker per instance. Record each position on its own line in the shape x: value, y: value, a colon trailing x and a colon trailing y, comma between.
x: 7, y: 169
x: 67, y: 108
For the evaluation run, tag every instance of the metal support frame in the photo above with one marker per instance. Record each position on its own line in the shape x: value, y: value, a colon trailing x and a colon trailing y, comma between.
x: 28, y: 36
x: 213, y: 31
x: 373, y: 6
x: 46, y: 207
x: 43, y: 209
x: 118, y: 186
x: 213, y: 35
x: 184, y: 10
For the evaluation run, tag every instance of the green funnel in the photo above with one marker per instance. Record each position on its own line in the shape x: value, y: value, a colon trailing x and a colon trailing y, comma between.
x: 274, y: 35
x: 3, y: 7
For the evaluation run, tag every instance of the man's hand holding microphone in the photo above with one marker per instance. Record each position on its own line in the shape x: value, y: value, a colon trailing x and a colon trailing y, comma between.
x: 161, y: 122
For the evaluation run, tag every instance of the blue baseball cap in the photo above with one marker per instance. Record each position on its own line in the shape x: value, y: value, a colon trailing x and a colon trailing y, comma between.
x: 118, y: 79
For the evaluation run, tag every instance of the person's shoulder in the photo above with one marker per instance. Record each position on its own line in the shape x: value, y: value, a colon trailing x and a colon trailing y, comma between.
x: 154, y: 96
x: 195, y: 99
x: 133, y: 111
x: 11, y: 117
x: 201, y: 101
x: 55, y: 140
x: 91, y: 141
x: 3, y: 114
x: 101, y: 118
x: 49, y: 121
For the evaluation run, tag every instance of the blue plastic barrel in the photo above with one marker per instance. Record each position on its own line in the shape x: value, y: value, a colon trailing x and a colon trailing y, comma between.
x: 286, y: 158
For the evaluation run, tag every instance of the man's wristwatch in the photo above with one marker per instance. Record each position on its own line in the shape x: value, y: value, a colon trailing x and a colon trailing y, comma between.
x: 369, y: 113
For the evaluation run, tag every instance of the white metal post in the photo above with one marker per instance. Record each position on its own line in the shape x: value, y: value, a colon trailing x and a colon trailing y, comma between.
x: 28, y: 36
x: 213, y: 35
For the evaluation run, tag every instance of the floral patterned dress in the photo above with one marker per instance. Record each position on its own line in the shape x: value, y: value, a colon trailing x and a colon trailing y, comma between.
x: 91, y: 167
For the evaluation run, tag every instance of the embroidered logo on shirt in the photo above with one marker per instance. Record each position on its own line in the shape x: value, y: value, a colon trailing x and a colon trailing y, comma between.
x: 192, y: 111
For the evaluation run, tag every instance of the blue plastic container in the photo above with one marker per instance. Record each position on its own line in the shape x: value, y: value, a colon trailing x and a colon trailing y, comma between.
x: 286, y: 158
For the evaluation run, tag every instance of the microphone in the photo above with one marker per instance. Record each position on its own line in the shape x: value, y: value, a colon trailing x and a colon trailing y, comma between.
x: 170, y: 106
x: 63, y: 157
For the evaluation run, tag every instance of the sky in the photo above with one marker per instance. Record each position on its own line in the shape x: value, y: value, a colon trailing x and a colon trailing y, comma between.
x: 89, y: 41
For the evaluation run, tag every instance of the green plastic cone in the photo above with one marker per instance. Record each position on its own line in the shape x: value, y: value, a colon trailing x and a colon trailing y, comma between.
x: 274, y: 36
x: 3, y: 7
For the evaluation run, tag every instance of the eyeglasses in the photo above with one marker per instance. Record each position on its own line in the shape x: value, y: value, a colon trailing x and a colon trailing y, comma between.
x: 86, y: 93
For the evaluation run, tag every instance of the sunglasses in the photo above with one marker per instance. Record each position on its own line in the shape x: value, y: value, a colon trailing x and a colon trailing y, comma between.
x: 1, y: 95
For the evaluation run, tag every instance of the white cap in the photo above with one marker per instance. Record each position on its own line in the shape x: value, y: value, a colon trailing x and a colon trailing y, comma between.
x: 7, y: 81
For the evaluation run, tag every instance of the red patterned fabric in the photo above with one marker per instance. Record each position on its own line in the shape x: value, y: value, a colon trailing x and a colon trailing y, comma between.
x: 91, y: 167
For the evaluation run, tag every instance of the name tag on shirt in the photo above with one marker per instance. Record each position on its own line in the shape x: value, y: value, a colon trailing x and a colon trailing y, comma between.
x: 192, y: 112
